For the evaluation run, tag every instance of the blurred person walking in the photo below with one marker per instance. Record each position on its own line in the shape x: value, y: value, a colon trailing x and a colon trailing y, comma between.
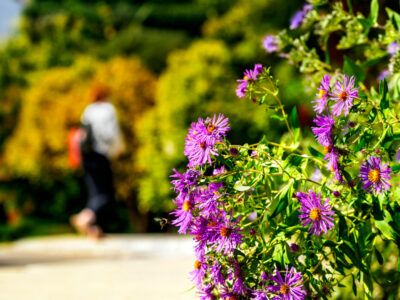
x: 101, y: 140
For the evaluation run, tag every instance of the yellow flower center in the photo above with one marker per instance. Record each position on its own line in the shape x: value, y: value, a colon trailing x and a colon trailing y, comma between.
x: 186, y: 205
x: 315, y: 214
x: 343, y: 95
x: 321, y: 93
x: 327, y: 149
x: 245, y: 78
x: 210, y: 128
x: 374, y: 175
x: 284, y: 290
x: 197, y: 265
x: 211, y: 224
x: 225, y: 231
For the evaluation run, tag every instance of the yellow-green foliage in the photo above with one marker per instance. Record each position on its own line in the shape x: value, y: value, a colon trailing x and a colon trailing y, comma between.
x: 197, y: 82
x: 57, y: 98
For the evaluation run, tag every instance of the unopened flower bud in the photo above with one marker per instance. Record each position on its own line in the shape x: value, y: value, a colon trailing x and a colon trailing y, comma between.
x: 294, y: 247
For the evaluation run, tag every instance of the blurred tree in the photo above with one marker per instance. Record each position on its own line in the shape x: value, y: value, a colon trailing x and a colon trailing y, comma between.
x: 111, y: 28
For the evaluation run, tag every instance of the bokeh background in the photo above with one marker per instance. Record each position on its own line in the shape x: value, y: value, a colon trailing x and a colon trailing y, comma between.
x: 167, y: 62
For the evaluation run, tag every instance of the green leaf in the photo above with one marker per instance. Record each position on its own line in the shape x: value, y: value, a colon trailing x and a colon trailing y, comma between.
x: 396, y: 137
x: 293, y: 160
x: 278, y: 254
x: 352, y: 255
x: 368, y: 286
x: 372, y: 114
x: 366, y: 23
x: 281, y: 200
x: 294, y: 120
x: 394, y: 17
x: 343, y: 229
x: 314, y: 152
x: 354, y: 285
x: 264, y: 140
x: 374, y: 12
x: 398, y: 264
x: 351, y: 68
x: 378, y: 256
x: 373, y: 61
x: 383, y: 92
x: 395, y: 168
x: 295, y: 124
x: 386, y: 230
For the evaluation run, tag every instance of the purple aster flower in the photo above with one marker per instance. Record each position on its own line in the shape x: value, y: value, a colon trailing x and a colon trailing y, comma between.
x: 212, y: 130
x: 199, y: 272
x: 249, y: 76
x: 209, y: 199
x: 259, y: 295
x: 316, y: 175
x: 333, y: 162
x: 290, y: 287
x: 238, y: 286
x: 184, y: 214
x: 200, y: 230
x: 205, y: 292
x: 228, y: 237
x: 375, y: 176
x: 226, y: 294
x: 397, y: 157
x: 270, y: 43
x: 323, y: 130
x: 216, y: 273
x: 202, y: 137
x: 314, y: 212
x: 196, y: 150
x: 241, y: 88
x: 298, y: 17
x: 392, y: 48
x: 322, y: 96
x: 218, y: 171
x: 183, y: 183
x: 384, y: 74
x: 343, y: 94
x: 264, y: 276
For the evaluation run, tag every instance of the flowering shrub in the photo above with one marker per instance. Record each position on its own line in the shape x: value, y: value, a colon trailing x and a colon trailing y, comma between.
x: 297, y: 218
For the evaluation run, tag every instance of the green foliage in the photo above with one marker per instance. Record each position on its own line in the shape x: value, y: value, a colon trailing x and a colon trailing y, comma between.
x: 257, y: 194
x: 108, y: 28
x: 194, y: 83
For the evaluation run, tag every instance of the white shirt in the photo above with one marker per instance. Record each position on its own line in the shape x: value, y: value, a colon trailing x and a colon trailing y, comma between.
x: 102, y: 118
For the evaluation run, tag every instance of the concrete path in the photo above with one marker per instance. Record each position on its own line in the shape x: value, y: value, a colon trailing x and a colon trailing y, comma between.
x: 119, y: 267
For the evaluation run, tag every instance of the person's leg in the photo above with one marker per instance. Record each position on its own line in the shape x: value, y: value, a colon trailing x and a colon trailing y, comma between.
x: 105, y: 197
x: 86, y: 218
x: 99, y: 182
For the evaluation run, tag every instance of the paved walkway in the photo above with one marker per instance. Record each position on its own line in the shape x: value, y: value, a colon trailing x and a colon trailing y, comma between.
x: 119, y: 267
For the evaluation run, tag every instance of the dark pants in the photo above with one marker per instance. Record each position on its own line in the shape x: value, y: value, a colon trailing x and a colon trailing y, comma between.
x: 99, y: 182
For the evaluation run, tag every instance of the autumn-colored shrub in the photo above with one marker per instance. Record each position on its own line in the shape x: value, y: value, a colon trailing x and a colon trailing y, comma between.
x: 55, y: 101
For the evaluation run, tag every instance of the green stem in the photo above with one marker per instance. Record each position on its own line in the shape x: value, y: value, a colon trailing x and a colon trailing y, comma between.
x: 382, y: 137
